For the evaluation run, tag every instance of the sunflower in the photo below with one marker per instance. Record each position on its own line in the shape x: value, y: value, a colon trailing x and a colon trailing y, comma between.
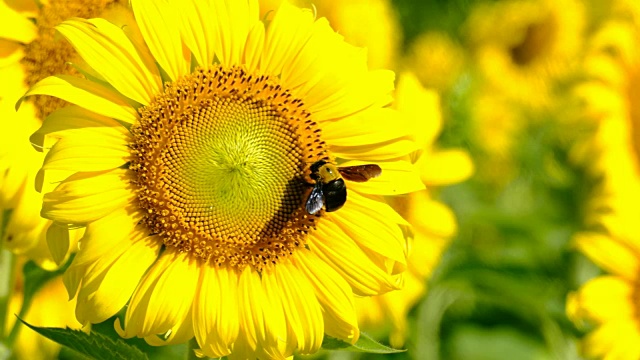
x: 520, y: 53
x: 29, y: 52
x: 433, y: 223
x: 187, y: 157
x: 607, y: 306
x: 522, y: 46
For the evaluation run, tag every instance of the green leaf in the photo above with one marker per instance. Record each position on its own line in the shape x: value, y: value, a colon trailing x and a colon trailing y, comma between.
x: 364, y: 344
x: 93, y: 345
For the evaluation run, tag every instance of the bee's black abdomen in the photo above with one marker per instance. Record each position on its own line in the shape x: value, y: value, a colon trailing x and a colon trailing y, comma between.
x: 335, y: 194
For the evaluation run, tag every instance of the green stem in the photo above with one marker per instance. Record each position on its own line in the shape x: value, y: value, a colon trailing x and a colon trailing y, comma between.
x: 7, y: 279
x: 16, y: 325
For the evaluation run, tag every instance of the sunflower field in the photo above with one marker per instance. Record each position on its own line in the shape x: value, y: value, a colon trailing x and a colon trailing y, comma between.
x: 320, y: 179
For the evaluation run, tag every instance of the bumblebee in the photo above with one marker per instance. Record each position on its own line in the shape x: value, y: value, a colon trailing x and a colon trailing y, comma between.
x: 329, y: 188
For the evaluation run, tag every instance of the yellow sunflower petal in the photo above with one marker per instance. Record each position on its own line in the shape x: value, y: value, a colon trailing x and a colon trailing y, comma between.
x: 239, y: 15
x: 86, y: 197
x: 76, y: 121
x: 622, y: 217
x: 86, y: 94
x: 26, y: 8
x: 336, y: 248
x: 91, y: 153
x: 305, y: 69
x: 15, y: 26
x: 10, y: 54
x: 287, y: 33
x: 164, y: 297
x: 13, y: 184
x: 254, y: 46
x: 615, y: 340
x: 421, y: 106
x: 377, y: 152
x: 334, y: 294
x: 432, y: 217
x: 382, y: 209
x: 262, y: 324
x: 445, y: 167
x: 23, y: 241
x: 13, y: 74
x: 301, y: 308
x: 110, y: 281
x: 372, y: 126
x: 367, y: 227
x: 106, y: 234
x: 398, y: 177
x: 17, y: 161
x: 23, y: 230
x: 198, y: 29
x: 178, y: 334
x: 284, y: 345
x: 157, y: 23
x: 215, y: 311
x: 372, y: 88
x: 72, y: 279
x: 609, y: 254
x: 62, y: 240
x: 106, y: 48
x: 603, y: 299
x: 335, y: 81
x: 58, y: 241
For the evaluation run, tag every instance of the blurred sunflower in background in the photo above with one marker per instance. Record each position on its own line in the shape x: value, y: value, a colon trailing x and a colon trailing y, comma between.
x: 204, y: 233
x: 520, y: 53
x: 500, y: 287
x: 606, y: 307
x: 520, y: 46
x: 31, y: 51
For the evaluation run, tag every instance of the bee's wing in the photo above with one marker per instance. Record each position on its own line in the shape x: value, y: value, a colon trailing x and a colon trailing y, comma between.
x: 315, y: 200
x: 360, y: 173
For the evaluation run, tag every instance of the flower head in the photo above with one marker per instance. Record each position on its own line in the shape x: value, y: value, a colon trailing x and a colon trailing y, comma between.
x: 187, y: 156
x: 521, y: 46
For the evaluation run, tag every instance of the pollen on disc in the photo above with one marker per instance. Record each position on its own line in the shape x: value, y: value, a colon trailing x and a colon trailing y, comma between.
x: 221, y: 159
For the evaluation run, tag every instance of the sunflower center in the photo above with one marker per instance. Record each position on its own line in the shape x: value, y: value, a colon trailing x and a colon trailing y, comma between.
x: 49, y: 54
x: 221, y: 160
x: 536, y: 42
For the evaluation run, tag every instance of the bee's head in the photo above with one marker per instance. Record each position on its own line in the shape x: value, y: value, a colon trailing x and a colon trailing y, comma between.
x: 315, y: 167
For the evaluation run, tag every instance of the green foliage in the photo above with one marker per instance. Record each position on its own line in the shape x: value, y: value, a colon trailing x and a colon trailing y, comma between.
x: 92, y: 346
x: 365, y: 344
